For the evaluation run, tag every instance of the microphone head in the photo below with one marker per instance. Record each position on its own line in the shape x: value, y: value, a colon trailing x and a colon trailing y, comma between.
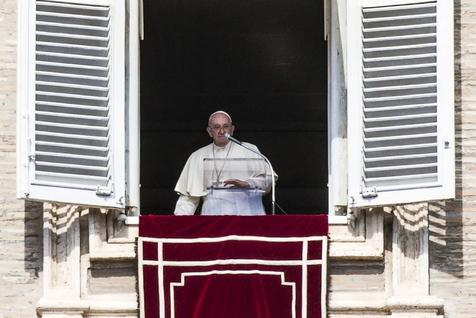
x: 230, y: 138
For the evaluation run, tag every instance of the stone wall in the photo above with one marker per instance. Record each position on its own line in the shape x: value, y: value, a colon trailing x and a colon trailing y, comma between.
x: 20, y: 222
x: 453, y: 233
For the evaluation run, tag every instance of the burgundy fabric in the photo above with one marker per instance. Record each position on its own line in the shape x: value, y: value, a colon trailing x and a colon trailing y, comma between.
x: 233, y: 249
x: 248, y: 294
x: 225, y: 266
x: 149, y: 251
x: 214, y: 226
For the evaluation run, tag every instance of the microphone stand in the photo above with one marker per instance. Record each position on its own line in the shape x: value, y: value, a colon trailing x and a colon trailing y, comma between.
x: 273, y: 189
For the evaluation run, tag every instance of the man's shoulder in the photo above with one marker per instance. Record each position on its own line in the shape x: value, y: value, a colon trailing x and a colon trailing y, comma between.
x: 250, y: 145
x: 201, y: 151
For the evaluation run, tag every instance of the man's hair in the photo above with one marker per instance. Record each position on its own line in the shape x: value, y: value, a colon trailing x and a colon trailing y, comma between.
x: 219, y: 112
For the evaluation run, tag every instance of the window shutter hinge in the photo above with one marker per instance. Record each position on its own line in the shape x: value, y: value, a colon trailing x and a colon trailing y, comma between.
x: 104, y: 191
x: 31, y: 150
x: 350, y: 201
x: 369, y: 192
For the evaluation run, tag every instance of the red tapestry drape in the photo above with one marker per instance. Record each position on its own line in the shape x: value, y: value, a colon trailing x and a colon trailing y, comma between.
x: 232, y: 266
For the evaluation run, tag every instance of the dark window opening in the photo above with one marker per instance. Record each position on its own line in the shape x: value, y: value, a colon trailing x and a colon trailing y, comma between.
x: 264, y: 62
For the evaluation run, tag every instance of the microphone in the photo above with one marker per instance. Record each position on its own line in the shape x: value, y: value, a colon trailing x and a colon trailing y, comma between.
x: 273, y: 188
x: 236, y: 141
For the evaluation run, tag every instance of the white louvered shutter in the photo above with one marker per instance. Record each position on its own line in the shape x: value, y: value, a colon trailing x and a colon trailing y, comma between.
x: 400, y: 101
x: 71, y: 101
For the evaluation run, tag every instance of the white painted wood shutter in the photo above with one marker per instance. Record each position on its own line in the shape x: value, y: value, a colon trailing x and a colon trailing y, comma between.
x: 71, y: 103
x: 400, y: 101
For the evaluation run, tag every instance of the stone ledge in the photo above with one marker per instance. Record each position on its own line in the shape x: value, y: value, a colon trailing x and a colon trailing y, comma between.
x: 58, y: 306
x: 378, y: 303
x: 108, y: 305
x: 423, y: 304
x: 120, y: 304
x: 358, y: 301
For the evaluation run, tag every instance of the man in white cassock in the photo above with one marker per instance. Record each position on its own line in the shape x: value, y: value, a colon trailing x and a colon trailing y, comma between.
x: 229, y: 178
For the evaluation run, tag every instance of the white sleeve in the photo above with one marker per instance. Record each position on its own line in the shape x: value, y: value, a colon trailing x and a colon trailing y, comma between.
x: 186, y: 205
x: 261, y: 181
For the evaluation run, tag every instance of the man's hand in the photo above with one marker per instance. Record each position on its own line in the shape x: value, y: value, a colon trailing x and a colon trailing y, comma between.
x: 237, y: 183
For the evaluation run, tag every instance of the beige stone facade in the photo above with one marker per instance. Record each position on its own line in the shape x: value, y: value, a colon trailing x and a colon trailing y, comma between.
x: 396, y: 262
x: 453, y: 232
x: 20, y: 223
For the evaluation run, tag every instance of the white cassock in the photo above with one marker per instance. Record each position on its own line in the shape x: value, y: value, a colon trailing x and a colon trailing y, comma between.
x: 203, y: 176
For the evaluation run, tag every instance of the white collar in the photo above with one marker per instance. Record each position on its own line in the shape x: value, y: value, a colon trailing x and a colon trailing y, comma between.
x: 225, y: 147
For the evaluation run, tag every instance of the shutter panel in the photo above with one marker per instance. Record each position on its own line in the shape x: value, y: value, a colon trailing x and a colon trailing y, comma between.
x: 400, y: 101
x: 75, y: 110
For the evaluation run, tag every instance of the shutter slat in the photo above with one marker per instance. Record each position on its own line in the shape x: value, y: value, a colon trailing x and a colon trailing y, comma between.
x: 73, y: 106
x: 72, y: 5
x: 405, y: 147
x: 399, y: 37
x: 74, y: 96
x: 71, y: 166
x: 68, y: 85
x: 72, y: 126
x: 398, y: 77
x: 71, y: 176
x: 400, y: 17
x: 406, y: 167
x: 63, y: 135
x: 399, y: 7
x: 73, y: 156
x: 398, y: 67
x: 74, y: 146
x: 397, y: 58
x: 399, y: 158
x: 400, y: 127
x: 74, y: 76
x: 400, y: 27
x: 73, y: 45
x: 392, y: 88
x: 399, y: 47
x: 393, y: 98
x: 72, y: 16
x: 403, y: 107
x: 78, y: 66
x: 73, y: 36
x: 398, y: 137
x: 399, y: 117
x: 65, y: 115
x: 72, y: 56
x: 73, y: 26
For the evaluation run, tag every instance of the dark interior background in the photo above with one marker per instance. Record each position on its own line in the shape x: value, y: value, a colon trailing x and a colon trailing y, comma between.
x: 264, y: 62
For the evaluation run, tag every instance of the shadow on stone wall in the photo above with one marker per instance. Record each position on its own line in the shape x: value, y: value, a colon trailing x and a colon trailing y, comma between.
x: 446, y: 218
x: 33, y: 238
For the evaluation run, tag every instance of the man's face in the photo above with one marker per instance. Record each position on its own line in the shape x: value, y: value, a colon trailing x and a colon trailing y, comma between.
x: 218, y: 126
